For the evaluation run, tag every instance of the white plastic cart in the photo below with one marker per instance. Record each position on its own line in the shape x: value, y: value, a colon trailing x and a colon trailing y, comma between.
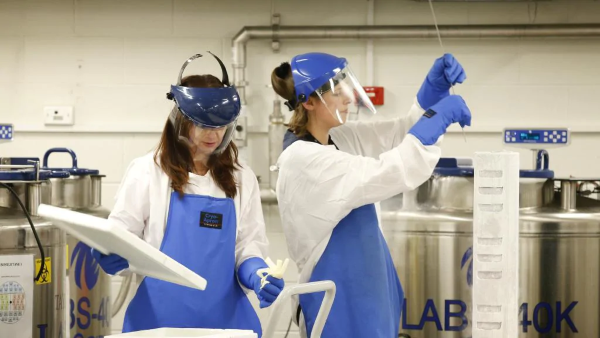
x: 327, y: 286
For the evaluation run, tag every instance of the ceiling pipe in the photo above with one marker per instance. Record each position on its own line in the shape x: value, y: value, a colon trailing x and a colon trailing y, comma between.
x: 394, y: 32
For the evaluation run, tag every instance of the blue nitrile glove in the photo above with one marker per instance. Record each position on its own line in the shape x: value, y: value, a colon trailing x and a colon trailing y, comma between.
x: 248, y: 277
x: 436, y: 119
x: 446, y: 71
x: 111, y: 264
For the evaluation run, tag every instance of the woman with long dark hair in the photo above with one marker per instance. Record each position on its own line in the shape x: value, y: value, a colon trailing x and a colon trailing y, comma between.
x: 196, y: 202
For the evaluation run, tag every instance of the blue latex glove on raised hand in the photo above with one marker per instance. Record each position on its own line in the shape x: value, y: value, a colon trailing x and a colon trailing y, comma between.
x: 111, y: 264
x: 436, y: 119
x: 446, y: 72
x: 250, y: 279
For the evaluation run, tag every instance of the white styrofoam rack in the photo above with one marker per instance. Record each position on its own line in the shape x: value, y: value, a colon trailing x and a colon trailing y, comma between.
x: 496, y: 245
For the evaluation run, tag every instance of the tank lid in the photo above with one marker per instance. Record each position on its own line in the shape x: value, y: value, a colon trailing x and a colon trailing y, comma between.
x: 18, y: 160
x: 462, y: 167
x: 452, y: 166
x: 74, y: 170
x: 30, y: 175
x: 541, y: 173
x: 77, y: 171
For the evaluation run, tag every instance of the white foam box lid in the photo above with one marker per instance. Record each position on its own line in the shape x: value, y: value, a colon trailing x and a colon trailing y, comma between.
x: 186, y: 333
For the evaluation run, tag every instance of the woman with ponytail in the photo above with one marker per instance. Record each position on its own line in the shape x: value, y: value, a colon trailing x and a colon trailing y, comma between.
x: 331, y: 172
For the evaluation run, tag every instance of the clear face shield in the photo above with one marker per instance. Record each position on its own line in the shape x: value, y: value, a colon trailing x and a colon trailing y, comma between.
x: 201, y: 140
x: 344, y: 97
x: 205, y: 113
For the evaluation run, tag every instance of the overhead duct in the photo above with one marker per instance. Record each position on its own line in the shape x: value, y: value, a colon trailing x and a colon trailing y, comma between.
x: 393, y: 32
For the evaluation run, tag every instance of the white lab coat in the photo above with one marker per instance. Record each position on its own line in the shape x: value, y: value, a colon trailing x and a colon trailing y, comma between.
x: 142, y: 204
x: 318, y: 185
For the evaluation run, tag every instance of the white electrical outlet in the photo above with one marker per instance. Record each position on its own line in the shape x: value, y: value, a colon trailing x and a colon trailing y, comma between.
x: 58, y: 116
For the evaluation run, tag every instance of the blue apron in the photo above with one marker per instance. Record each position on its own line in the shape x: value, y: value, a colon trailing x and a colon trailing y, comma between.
x: 200, y: 234
x: 369, y: 296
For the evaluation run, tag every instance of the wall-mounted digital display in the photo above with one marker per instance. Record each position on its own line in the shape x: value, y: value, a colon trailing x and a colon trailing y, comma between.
x: 530, y: 136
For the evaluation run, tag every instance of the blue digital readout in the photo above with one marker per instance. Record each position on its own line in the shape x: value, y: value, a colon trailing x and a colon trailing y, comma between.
x: 530, y: 136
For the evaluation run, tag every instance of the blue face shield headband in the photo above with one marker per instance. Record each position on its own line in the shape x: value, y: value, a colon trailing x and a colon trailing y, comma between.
x: 209, y: 110
x: 329, y: 78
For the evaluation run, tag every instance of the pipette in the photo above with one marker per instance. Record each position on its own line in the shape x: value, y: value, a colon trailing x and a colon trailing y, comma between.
x: 444, y: 52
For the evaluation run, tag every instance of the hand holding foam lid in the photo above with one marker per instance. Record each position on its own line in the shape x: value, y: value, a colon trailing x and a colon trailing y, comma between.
x: 111, y: 263
x: 107, y: 238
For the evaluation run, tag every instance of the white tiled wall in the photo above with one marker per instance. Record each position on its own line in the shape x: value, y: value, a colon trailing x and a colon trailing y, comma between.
x: 113, y: 60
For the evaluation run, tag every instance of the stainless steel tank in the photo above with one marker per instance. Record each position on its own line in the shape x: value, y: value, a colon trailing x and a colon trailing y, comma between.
x: 429, y: 233
x: 17, y: 238
x: 90, y: 303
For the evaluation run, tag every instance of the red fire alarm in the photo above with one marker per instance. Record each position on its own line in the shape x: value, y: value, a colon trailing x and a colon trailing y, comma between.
x: 375, y: 94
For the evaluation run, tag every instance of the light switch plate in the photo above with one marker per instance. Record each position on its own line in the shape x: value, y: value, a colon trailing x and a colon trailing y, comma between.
x: 58, y: 115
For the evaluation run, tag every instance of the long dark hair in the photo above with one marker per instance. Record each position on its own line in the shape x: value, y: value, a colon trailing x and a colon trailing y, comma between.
x: 175, y: 159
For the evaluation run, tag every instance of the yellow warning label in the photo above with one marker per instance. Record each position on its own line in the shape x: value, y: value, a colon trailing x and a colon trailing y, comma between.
x: 46, y: 276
